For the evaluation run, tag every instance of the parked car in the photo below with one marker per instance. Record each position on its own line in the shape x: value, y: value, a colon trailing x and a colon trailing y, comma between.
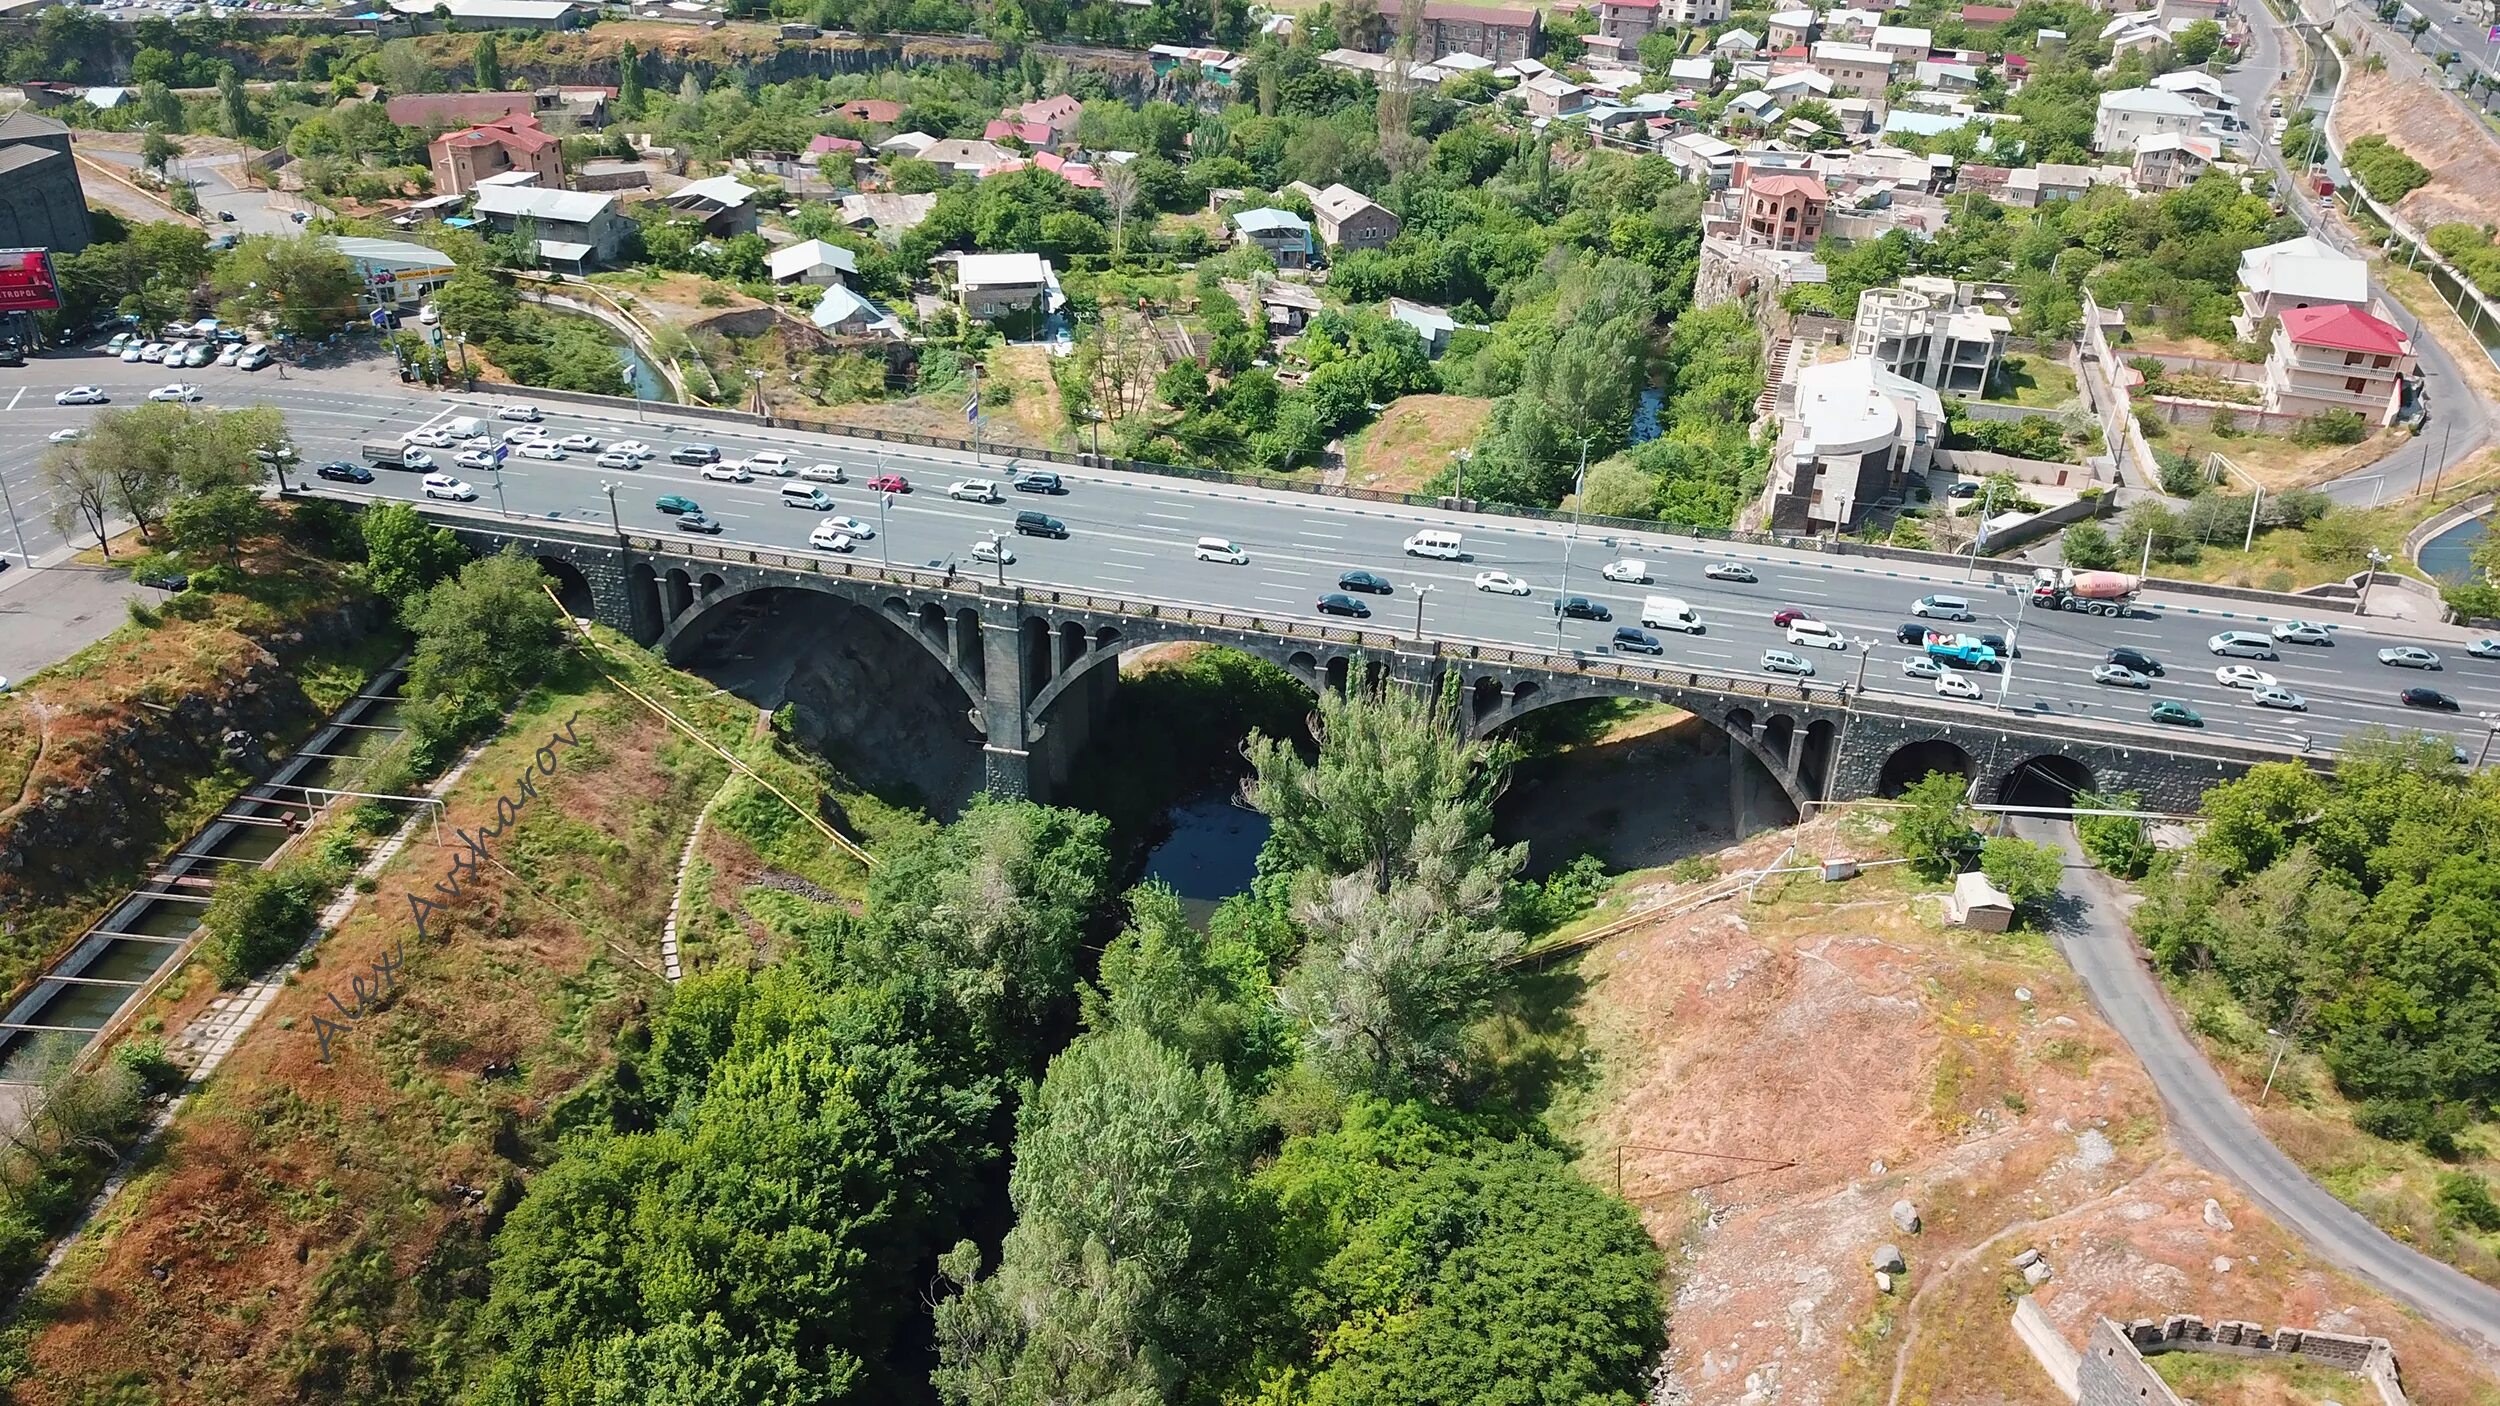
x: 345, y: 472
x: 1339, y: 603
x: 2408, y: 656
x: 67, y: 436
x: 252, y: 358
x: 2427, y: 698
x: 1729, y: 571
x: 1368, y: 582
x: 1780, y: 661
x: 1500, y: 583
x: 178, y: 391
x: 82, y: 395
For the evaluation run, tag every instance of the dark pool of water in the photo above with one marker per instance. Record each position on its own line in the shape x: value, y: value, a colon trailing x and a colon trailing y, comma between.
x: 1211, y: 853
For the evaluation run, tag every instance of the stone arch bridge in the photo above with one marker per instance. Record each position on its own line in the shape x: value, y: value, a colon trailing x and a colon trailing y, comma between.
x: 1031, y: 663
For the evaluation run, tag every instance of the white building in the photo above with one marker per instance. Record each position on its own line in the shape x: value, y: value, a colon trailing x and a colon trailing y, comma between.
x: 1857, y: 434
x: 2297, y: 273
x: 812, y: 261
x: 989, y: 286
x: 2132, y: 114
x: 394, y: 272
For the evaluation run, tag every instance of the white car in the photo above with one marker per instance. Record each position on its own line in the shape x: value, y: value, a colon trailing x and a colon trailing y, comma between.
x: 153, y: 351
x: 445, y: 486
x: 474, y: 459
x: 1728, y: 571
x: 824, y: 473
x: 613, y: 460
x: 134, y: 352
x: 1628, y: 569
x: 230, y: 353
x: 1500, y: 583
x: 2120, y: 676
x: 81, y: 395
x: 771, y: 461
x: 1919, y: 666
x: 1955, y: 686
x: 1780, y: 661
x: 2484, y: 649
x: 542, y: 449
x: 2242, y: 676
x: 829, y: 537
x: 518, y: 410
x: 1216, y: 549
x: 178, y: 391
x: 523, y: 434
x: 582, y: 442
x: 2303, y: 632
x: 631, y: 448
x: 253, y: 358
x: 431, y: 439
x: 728, y: 472
x: 973, y: 490
x: 990, y: 549
x: 2408, y: 656
x: 850, y: 527
x: 66, y: 436
x: 2275, y: 695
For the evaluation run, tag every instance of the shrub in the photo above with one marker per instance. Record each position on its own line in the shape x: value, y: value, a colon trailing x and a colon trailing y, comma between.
x: 146, y: 1060
x: 256, y: 919
x: 2383, y: 169
x: 2466, y: 1199
x: 2180, y: 477
x: 2086, y: 547
x: 2226, y: 425
x: 1693, y: 869
x: 2117, y: 843
x: 2332, y: 427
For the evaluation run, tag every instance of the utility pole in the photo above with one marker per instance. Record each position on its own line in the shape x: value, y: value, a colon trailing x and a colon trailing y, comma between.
x: 884, y: 501
x: 1980, y: 538
x: 19, y: 527
x: 972, y: 412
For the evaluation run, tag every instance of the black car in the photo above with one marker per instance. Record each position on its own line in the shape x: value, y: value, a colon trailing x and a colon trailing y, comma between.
x: 1911, y: 632
x: 1582, y: 608
x: 1370, y: 583
x: 1040, y: 525
x: 1038, y: 483
x: 345, y: 472
x: 2135, y: 659
x: 2427, y: 698
x: 1997, y: 643
x: 1338, y: 603
x: 697, y: 522
x: 695, y: 454
x: 1631, y: 641
x: 1964, y: 489
x: 167, y: 581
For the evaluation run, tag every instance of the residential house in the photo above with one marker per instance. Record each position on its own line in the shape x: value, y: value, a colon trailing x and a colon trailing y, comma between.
x: 1349, y: 219
x: 824, y: 145
x: 1928, y: 331
x: 1906, y: 43
x: 1855, y: 434
x: 1692, y: 14
x: 1696, y: 73
x: 1790, y: 28
x: 2169, y: 161
x: 1850, y: 23
x: 514, y: 142
x: 875, y: 112
x: 2132, y: 114
x: 494, y: 14
x: 1979, y: 16
x: 1797, y: 85
x: 1285, y: 235
x: 2140, y: 32
x: 1737, y: 41
x: 1550, y: 96
x: 912, y: 144
x: 2198, y: 87
x: 1076, y: 173
x: 556, y: 108
x: 576, y: 230
x: 1946, y: 75
x: 1626, y: 22
x: 2337, y: 358
x: 1703, y: 158
x: 2032, y: 186
x: 2297, y: 273
x: 885, y: 212
x: 724, y: 204
x: 1040, y: 125
x: 1856, y: 70
x: 992, y: 286
x: 844, y: 313
x: 1434, y: 325
x: 968, y: 157
x: 812, y: 261
x: 1783, y: 212
x: 1501, y: 34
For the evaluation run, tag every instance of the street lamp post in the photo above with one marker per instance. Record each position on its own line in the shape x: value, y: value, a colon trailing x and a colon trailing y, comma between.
x: 1980, y: 538
x: 503, y: 510
x: 2377, y: 560
x: 2491, y: 725
x: 1866, y: 651
x: 2282, y: 1043
x: 884, y: 501
x: 1421, y: 590
x: 2013, y: 633
x: 14, y: 524
x: 614, y: 521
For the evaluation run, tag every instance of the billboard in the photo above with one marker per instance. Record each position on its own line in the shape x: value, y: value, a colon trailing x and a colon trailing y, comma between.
x: 26, y: 281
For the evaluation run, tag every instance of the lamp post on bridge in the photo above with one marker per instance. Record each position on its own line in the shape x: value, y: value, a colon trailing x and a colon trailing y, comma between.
x: 1421, y: 590
x: 614, y: 522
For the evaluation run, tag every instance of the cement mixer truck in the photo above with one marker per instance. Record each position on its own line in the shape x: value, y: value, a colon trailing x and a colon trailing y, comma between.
x: 2088, y: 592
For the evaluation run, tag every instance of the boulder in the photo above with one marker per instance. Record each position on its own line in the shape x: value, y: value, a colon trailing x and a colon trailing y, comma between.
x: 2036, y: 1272
x: 1883, y: 1282
x: 2026, y: 1259
x: 1888, y: 1260
x: 1905, y: 1216
x: 2214, y: 1216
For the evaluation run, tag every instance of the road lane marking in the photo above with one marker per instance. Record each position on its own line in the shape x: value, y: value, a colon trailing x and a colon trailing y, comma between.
x: 21, y: 395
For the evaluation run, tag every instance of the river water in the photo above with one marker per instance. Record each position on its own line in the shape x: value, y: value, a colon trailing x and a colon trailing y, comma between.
x: 1211, y: 853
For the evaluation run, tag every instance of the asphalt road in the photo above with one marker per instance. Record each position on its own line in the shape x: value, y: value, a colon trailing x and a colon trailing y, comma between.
x: 1132, y: 535
x: 2091, y: 928
x: 2458, y: 421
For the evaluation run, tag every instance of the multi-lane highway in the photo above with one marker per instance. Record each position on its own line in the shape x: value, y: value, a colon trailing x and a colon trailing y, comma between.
x: 1132, y: 535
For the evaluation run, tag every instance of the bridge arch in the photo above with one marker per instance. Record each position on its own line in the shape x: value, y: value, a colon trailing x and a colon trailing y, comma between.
x: 691, y: 624
x: 1737, y: 723
x: 1913, y: 762
x: 642, y: 602
x: 2046, y: 780
x: 571, y: 586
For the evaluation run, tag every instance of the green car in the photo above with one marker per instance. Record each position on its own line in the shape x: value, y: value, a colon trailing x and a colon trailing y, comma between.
x: 2177, y: 714
x: 672, y: 503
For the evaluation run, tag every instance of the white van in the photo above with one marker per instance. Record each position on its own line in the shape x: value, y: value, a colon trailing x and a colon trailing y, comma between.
x: 1432, y: 542
x: 1217, y: 549
x: 465, y: 427
x: 806, y: 495
x: 1814, y: 634
x: 1669, y: 613
x: 770, y: 461
x: 2243, y: 644
x: 1942, y: 608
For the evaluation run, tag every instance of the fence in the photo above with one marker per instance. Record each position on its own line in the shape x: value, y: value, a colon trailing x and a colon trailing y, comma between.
x: 2126, y: 440
x: 2180, y: 410
x: 1980, y: 463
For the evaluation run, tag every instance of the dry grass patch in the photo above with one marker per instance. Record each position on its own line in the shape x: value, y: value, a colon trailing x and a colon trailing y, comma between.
x: 1414, y: 440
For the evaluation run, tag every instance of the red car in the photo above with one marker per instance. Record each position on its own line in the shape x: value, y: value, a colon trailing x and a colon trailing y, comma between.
x: 1787, y: 613
x: 889, y: 483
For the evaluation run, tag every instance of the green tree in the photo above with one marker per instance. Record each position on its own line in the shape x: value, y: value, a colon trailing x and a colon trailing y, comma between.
x: 2199, y: 42
x: 157, y: 150
x: 2025, y: 872
x: 405, y: 555
x: 233, y: 103
x: 81, y: 492
x: 2117, y: 843
x: 2086, y: 547
x: 482, y: 637
x: 1203, y: 994
x: 1933, y: 826
x: 219, y: 520
x: 1390, y: 983
x: 487, y: 65
x: 2249, y: 822
x: 302, y: 284
x: 629, y: 80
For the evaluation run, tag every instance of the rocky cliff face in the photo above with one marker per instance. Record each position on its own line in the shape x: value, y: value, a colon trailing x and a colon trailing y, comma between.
x: 96, y: 794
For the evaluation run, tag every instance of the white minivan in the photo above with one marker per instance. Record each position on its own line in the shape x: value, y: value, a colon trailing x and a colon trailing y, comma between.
x: 806, y: 495
x: 1942, y: 608
x: 1432, y: 542
x: 2242, y: 644
x: 1217, y: 549
x: 1669, y: 613
x: 1814, y: 634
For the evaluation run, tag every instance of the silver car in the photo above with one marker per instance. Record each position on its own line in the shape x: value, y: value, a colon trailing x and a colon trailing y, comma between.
x: 2275, y: 695
x: 2120, y: 676
x: 1780, y: 661
x: 1919, y: 666
x: 2303, y: 632
x: 2408, y: 656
